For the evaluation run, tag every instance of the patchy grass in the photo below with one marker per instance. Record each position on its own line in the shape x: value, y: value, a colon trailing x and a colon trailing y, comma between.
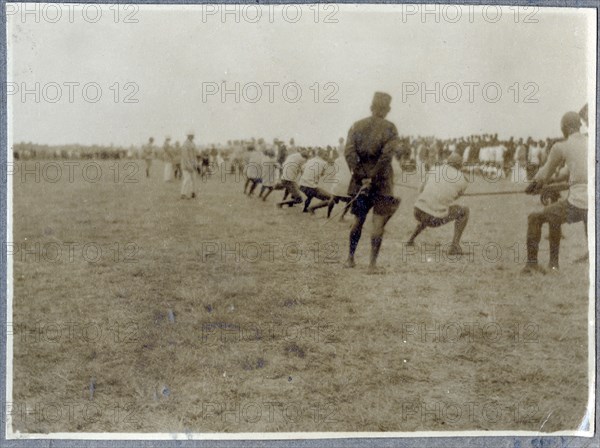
x: 199, y: 334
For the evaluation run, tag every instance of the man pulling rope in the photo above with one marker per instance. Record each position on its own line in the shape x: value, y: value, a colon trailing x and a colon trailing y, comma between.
x: 435, y: 206
x: 573, y: 152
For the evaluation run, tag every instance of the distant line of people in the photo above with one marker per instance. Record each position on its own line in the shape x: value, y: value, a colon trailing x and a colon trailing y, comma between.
x: 516, y: 159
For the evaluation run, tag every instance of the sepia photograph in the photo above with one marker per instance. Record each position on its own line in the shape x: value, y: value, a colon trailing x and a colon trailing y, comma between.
x: 300, y: 221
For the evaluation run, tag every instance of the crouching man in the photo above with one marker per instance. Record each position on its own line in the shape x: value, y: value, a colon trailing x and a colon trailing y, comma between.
x: 435, y: 206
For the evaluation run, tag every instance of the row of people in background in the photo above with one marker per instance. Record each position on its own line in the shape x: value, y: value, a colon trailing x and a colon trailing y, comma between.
x: 171, y: 154
x: 518, y: 159
x: 486, y: 155
x: 276, y: 162
x: 485, y: 152
x: 33, y: 151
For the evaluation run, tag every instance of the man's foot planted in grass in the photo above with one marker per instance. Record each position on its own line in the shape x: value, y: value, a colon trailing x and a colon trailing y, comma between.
x: 533, y: 268
x: 350, y: 263
x: 455, y: 249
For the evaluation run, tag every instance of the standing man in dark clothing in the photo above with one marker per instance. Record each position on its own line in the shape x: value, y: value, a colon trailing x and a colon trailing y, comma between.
x: 370, y: 146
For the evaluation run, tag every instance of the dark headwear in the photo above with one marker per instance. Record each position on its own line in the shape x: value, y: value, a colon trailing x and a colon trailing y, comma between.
x: 570, y: 120
x: 381, y: 100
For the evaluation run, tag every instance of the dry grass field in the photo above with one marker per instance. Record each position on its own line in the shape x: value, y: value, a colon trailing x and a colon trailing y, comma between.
x: 226, y: 314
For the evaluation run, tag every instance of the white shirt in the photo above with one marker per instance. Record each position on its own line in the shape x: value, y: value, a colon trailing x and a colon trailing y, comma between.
x: 442, y: 187
x: 313, y: 171
x: 292, y: 167
x: 254, y: 166
x: 339, y: 182
x: 483, y: 154
x: 535, y: 154
x: 466, y: 153
x: 500, y: 150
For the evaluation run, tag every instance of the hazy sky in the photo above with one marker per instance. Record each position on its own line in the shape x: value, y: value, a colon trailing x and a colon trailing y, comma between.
x: 173, y: 53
